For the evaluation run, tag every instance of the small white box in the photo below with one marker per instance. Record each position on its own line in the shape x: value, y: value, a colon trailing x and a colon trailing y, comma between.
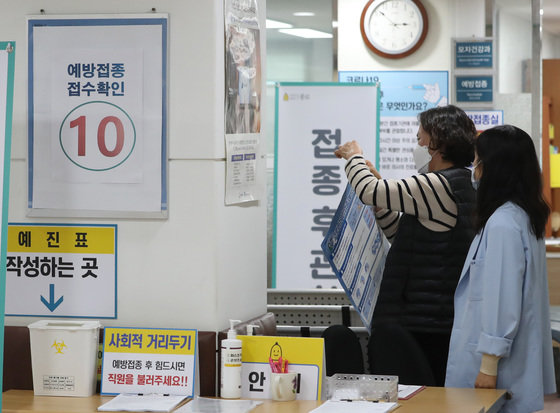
x: 64, y: 357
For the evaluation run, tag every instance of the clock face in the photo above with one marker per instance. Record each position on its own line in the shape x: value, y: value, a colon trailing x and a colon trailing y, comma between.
x: 394, y: 28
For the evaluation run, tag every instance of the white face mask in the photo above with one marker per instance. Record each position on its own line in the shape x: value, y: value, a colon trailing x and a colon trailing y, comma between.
x: 421, y: 158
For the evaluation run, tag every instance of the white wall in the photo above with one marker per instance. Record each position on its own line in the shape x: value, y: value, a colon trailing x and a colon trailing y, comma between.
x: 469, y: 18
x: 304, y: 60
x: 550, y: 46
x: 207, y: 262
x: 514, y: 34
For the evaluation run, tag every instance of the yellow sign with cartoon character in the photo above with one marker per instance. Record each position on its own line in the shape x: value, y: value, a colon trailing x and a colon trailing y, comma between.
x: 263, y: 355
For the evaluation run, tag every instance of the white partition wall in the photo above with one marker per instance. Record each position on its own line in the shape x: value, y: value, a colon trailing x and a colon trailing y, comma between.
x: 206, y: 262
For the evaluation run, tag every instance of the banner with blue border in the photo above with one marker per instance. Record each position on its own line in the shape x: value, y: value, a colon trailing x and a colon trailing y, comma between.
x: 97, y: 115
x: 7, y: 62
x: 61, y: 270
x: 143, y: 360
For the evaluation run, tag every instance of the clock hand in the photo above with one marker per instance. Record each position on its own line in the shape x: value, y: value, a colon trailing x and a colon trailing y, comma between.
x: 390, y: 21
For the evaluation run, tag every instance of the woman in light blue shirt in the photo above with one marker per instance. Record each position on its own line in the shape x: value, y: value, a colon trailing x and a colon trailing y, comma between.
x: 501, y: 335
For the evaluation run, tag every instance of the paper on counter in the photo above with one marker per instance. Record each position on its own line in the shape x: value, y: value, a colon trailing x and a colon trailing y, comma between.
x: 141, y: 403
x: 355, y: 406
x: 206, y: 405
x: 406, y: 391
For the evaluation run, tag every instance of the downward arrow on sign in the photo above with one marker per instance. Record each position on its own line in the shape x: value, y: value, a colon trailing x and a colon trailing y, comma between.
x: 51, y: 304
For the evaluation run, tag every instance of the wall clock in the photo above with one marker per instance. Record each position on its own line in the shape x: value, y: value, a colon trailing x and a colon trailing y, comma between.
x: 394, y: 28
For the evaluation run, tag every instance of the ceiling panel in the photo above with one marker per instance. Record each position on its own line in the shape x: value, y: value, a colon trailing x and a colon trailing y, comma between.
x: 283, y: 11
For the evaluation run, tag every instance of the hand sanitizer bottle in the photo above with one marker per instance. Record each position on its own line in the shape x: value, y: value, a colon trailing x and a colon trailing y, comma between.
x: 230, y: 349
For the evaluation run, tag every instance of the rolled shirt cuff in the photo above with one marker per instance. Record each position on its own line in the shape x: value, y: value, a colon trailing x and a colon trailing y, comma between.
x: 488, y: 344
x: 489, y: 364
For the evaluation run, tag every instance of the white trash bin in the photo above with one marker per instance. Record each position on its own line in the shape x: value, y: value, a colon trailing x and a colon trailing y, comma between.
x: 64, y: 357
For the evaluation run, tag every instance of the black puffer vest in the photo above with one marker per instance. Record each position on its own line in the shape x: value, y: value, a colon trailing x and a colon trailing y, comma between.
x: 423, y: 267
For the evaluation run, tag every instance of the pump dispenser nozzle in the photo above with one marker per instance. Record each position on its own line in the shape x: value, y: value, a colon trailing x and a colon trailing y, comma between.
x: 232, y: 334
x: 250, y: 328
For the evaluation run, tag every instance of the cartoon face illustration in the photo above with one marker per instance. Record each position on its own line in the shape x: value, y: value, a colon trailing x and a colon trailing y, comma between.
x: 275, y: 352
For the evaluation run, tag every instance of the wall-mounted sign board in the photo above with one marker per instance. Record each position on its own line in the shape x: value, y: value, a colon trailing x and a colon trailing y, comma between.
x: 473, y: 54
x: 474, y: 89
x: 55, y: 270
x: 97, y: 115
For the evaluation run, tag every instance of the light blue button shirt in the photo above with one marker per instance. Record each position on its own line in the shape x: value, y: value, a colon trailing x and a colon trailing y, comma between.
x: 502, y: 308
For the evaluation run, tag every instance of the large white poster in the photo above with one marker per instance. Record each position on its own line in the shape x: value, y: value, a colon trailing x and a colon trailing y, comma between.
x: 312, y: 120
x: 97, y: 127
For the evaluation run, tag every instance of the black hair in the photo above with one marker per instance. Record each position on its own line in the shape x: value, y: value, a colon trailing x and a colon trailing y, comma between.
x: 452, y: 132
x: 510, y: 172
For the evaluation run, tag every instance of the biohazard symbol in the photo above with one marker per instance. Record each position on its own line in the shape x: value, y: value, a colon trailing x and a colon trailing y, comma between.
x: 59, y: 346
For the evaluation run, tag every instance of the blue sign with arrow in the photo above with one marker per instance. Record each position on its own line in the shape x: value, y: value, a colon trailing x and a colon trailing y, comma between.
x: 61, y: 270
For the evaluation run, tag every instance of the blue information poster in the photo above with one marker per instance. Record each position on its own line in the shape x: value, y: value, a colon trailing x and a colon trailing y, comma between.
x: 404, y: 94
x: 356, y: 250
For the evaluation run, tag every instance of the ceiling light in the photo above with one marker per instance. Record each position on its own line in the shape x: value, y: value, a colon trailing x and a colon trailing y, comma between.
x: 304, y: 14
x: 275, y: 24
x: 307, y: 33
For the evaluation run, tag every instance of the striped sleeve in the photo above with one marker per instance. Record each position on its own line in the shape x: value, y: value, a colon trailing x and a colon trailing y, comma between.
x: 426, y: 196
x: 388, y: 221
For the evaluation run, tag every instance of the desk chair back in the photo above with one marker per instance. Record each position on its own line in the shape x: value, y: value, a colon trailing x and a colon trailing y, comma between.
x: 392, y: 350
x: 343, y: 351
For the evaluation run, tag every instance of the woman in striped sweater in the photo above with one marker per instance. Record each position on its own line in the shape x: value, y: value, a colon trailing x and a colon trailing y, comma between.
x: 427, y: 219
